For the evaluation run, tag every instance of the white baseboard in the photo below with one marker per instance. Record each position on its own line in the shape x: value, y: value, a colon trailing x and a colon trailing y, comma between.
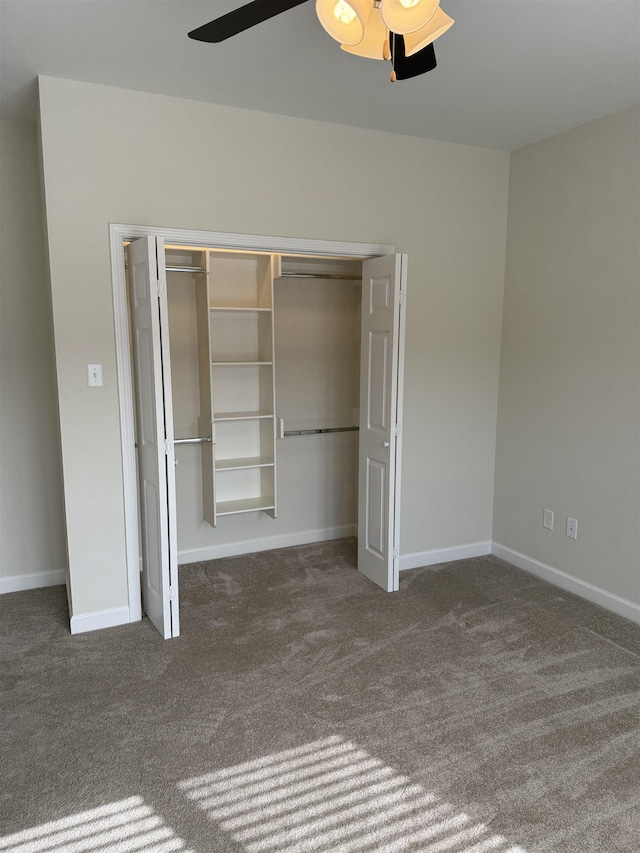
x: 100, y: 619
x: 595, y: 594
x: 251, y: 546
x: 16, y: 583
x: 444, y: 555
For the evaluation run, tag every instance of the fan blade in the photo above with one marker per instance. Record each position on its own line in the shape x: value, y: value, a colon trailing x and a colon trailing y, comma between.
x: 242, y: 19
x: 410, y: 66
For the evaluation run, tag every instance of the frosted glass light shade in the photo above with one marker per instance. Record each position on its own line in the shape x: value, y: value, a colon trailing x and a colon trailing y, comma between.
x: 345, y: 32
x: 402, y: 19
x: 440, y: 23
x: 375, y: 35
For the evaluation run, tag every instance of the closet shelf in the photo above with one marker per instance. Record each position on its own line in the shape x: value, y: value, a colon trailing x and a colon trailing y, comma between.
x: 238, y: 309
x: 247, y: 462
x: 240, y: 363
x: 241, y: 416
x: 245, y: 505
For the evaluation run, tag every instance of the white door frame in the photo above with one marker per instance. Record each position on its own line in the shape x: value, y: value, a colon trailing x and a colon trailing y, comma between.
x: 118, y: 233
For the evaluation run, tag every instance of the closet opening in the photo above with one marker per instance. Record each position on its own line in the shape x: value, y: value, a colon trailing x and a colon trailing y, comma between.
x: 277, y: 373
x: 248, y: 372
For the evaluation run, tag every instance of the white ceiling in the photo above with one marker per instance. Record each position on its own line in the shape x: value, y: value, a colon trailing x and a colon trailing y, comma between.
x: 509, y: 72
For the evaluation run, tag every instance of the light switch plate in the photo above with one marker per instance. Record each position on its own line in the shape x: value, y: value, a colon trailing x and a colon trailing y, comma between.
x: 547, y: 519
x: 94, y: 375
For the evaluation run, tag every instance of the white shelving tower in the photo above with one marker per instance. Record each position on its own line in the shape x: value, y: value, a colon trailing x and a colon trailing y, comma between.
x: 234, y: 303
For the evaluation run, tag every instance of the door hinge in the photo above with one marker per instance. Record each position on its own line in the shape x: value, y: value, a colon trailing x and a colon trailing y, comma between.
x: 395, y: 553
x: 172, y: 593
x: 396, y: 429
x: 401, y: 297
x: 161, y: 288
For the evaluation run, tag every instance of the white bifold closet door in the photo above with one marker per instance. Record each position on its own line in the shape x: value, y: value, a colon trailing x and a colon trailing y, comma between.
x: 381, y: 380
x: 154, y: 414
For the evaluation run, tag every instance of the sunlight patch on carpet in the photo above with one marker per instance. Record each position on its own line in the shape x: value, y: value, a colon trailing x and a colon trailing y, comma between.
x: 329, y: 796
x: 126, y: 826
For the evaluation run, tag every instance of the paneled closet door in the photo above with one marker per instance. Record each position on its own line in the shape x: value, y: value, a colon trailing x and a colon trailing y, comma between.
x: 381, y: 375
x: 154, y: 415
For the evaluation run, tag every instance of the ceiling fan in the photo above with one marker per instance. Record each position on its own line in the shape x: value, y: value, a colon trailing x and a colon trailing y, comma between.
x: 402, y: 31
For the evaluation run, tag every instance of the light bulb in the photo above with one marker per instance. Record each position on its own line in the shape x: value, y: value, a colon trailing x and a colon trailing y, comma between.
x: 409, y: 4
x: 344, y: 13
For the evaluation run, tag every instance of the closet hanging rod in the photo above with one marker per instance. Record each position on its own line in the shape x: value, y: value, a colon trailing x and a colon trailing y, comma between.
x: 327, y: 275
x: 197, y: 270
x: 317, y: 431
x: 185, y: 269
x: 188, y: 441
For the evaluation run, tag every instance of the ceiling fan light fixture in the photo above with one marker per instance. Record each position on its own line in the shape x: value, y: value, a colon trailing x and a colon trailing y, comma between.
x: 405, y: 67
x: 374, y: 29
x: 344, y: 20
x: 403, y: 18
x: 373, y: 42
x: 439, y: 24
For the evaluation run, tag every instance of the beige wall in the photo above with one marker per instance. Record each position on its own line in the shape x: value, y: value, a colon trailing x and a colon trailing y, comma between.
x: 568, y: 424
x: 113, y: 155
x: 32, y: 540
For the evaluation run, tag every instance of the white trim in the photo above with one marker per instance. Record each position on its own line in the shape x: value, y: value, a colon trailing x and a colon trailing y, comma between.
x: 399, y: 415
x: 595, y: 594
x: 118, y: 233
x: 251, y: 242
x: 127, y: 423
x: 444, y: 555
x: 36, y: 580
x: 100, y: 619
x: 268, y: 543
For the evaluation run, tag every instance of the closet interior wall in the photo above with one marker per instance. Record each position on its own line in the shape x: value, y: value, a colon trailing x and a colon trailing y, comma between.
x: 315, y: 353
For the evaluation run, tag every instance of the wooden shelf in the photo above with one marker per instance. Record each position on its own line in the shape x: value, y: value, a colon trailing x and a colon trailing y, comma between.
x: 240, y: 309
x: 240, y: 416
x: 236, y: 363
x: 247, y: 462
x: 240, y: 363
x: 245, y: 505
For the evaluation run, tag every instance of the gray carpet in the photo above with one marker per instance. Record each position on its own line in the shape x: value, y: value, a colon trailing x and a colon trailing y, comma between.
x: 304, y: 709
